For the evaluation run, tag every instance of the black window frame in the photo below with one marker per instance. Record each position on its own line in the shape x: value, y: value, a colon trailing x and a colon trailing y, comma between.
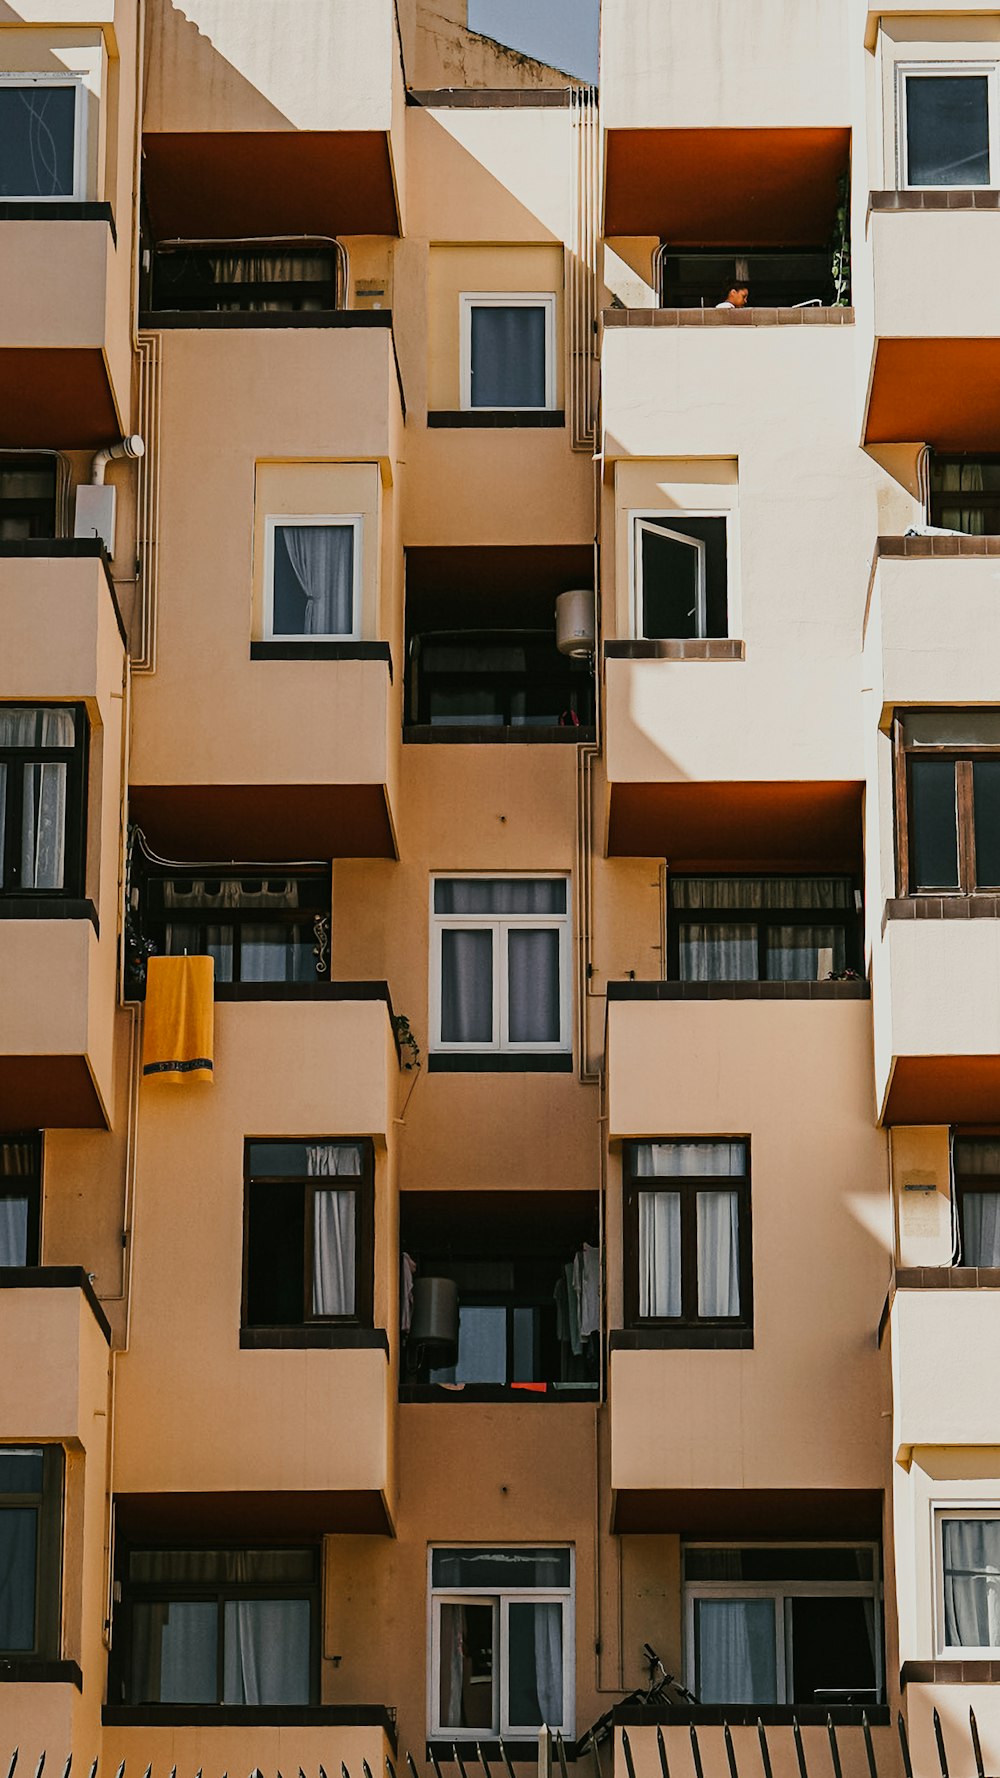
x: 47, y: 1503
x: 75, y: 832
x: 964, y: 756
x: 686, y: 1187
x: 985, y: 501
x: 134, y: 1593
x: 26, y: 1185
x: 156, y: 917
x: 309, y: 1185
x: 39, y: 510
x: 851, y: 918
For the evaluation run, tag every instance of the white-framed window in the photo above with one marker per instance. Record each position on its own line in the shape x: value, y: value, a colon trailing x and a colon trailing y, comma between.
x: 500, y: 955
x: 948, y: 124
x: 783, y: 1623
x: 967, y: 1560
x: 507, y: 358
x: 42, y: 137
x: 501, y: 1641
x: 312, y: 576
x: 680, y: 575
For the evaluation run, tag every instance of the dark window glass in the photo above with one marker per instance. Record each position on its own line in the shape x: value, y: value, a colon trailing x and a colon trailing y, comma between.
x: 976, y: 1163
x: 833, y: 1650
x: 37, y: 135
x: 309, y: 1234
x: 947, y: 129
x: 965, y: 494
x: 30, y: 1536
x: 229, y: 278
x: 780, y: 1562
x: 20, y: 1194
x: 510, y: 1569
x: 986, y: 818
x: 508, y: 356
x: 27, y: 497
x: 468, y: 1665
x: 683, y: 570
x: 496, y: 679
x: 934, y: 837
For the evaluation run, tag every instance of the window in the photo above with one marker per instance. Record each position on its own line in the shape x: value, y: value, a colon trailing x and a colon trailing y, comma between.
x: 507, y: 351
x: 527, y: 1271
x: 502, y: 1642
x: 948, y: 800
x: 687, y: 1234
x: 249, y: 277
x: 31, y: 1479
x: 965, y: 494
x: 500, y: 964
x: 497, y: 679
x: 779, y: 277
x: 969, y: 1581
x: 948, y: 124
x: 257, y: 928
x: 27, y: 498
x: 41, y: 799
x: 762, y: 929
x: 230, y: 1626
x: 20, y: 1194
x: 312, y: 577
x: 976, y: 1167
x: 310, y: 1232
x: 41, y: 136
x: 679, y: 576
x: 780, y: 1624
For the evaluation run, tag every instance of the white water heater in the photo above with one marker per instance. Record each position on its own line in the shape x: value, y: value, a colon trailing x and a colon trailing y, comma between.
x: 576, y: 628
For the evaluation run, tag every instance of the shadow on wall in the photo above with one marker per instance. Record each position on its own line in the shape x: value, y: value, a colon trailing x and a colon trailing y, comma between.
x: 180, y: 57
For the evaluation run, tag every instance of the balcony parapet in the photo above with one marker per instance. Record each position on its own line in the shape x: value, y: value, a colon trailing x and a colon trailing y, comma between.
x: 850, y: 990
x: 946, y: 198
x: 810, y: 317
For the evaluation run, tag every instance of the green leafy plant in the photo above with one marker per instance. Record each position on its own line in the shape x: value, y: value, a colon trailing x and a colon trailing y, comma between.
x: 408, y: 1045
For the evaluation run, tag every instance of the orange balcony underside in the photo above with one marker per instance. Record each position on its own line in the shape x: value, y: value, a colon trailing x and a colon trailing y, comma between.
x: 944, y: 1090
x: 266, y: 821
x: 738, y: 826
x: 725, y: 188
x: 221, y: 184
x: 48, y: 1093
x: 56, y: 396
x: 944, y: 393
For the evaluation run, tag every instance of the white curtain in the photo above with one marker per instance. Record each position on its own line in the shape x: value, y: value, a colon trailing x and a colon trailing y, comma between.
x: 971, y: 1557
x: 659, y: 1254
x: 718, y: 951
x: 274, y: 954
x: 718, y: 1253
x: 174, y: 1652
x: 980, y: 1228
x: 218, y: 943
x: 804, y: 953
x: 266, y: 1651
x: 13, y: 1232
x: 549, y: 1662
x: 334, y: 1228
x: 322, y: 560
x: 533, y: 985
x: 723, y: 894
x: 43, y: 820
x: 686, y: 1160
x: 467, y: 986
x: 737, y: 1661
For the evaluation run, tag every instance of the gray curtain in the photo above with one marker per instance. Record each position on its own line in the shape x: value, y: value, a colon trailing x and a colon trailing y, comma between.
x: 43, y: 826
x: 500, y: 895
x: 689, y: 1160
x: 659, y: 1254
x: 322, y: 560
x: 971, y: 1558
x: 482, y: 1346
x: 535, y: 1664
x: 718, y: 1253
x: 467, y: 986
x: 804, y: 953
x: 270, y: 268
x: 720, y: 894
x: 13, y: 1232
x: 737, y: 1659
x: 533, y: 986
x: 962, y: 478
x: 717, y: 951
x: 508, y: 356
x: 266, y: 1651
x: 980, y: 1228
x: 174, y: 1652
x: 18, y: 1534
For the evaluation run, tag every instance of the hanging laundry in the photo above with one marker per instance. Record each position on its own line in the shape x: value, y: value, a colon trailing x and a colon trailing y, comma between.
x: 178, y: 1039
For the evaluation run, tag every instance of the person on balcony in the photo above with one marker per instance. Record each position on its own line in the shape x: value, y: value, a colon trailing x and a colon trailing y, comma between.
x: 737, y: 296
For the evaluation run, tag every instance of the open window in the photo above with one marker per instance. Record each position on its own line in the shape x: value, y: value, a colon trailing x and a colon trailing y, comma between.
x: 687, y: 1237
x: 680, y: 575
x: 312, y: 578
x: 42, y: 799
x: 507, y: 350
x: 948, y: 124
x: 763, y: 929
x: 42, y: 137
x: 309, y: 1234
x: 948, y: 801
x: 783, y: 1623
x: 31, y: 1497
x: 502, y: 1642
x: 527, y: 1274
x: 20, y: 1198
x: 233, y: 1627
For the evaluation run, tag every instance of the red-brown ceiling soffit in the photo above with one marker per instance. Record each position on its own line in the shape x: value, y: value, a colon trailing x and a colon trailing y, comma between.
x: 218, y: 185
x: 726, y: 188
x: 739, y: 826
x: 944, y: 392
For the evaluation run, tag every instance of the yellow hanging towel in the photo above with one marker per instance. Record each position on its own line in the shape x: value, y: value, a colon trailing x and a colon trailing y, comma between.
x: 178, y: 1039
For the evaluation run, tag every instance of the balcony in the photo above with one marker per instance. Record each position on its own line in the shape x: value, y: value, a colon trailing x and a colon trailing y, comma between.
x: 63, y: 633
x: 65, y: 346
x: 936, y: 992
x: 936, y: 349
x: 788, y: 1066
x: 932, y: 630
x: 326, y: 1736
x: 935, y: 1317
x: 55, y: 1341
x: 253, y: 131
x: 271, y: 1411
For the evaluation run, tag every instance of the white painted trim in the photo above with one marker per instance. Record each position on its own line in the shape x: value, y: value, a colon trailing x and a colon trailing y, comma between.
x: 505, y: 299
x: 499, y: 925
x: 272, y: 521
x: 662, y: 520
x: 77, y: 81
x: 906, y: 70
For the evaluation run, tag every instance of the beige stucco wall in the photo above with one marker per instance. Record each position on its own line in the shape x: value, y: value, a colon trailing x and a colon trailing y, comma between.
x: 933, y: 632
x: 914, y: 1016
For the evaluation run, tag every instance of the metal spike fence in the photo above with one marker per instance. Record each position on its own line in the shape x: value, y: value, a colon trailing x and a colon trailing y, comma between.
x: 554, y: 1757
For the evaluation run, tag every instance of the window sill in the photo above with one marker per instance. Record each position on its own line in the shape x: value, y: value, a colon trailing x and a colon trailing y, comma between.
x: 424, y: 734
x: 929, y: 197
x: 479, y: 1392
x: 61, y: 210
x: 815, y: 317
x: 942, y: 907
x: 24, y: 1671
x: 739, y: 991
x: 299, y: 1339
x: 693, y: 648
x: 975, y: 1672
x: 38, y: 907
x: 57, y: 1278
x: 674, y: 1339
x: 960, y: 543
x: 373, y: 1716
x: 483, y: 1063
x: 497, y: 418
x: 334, y: 650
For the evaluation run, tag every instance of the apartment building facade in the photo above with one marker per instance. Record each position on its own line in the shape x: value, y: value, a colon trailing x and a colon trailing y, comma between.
x: 534, y: 678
